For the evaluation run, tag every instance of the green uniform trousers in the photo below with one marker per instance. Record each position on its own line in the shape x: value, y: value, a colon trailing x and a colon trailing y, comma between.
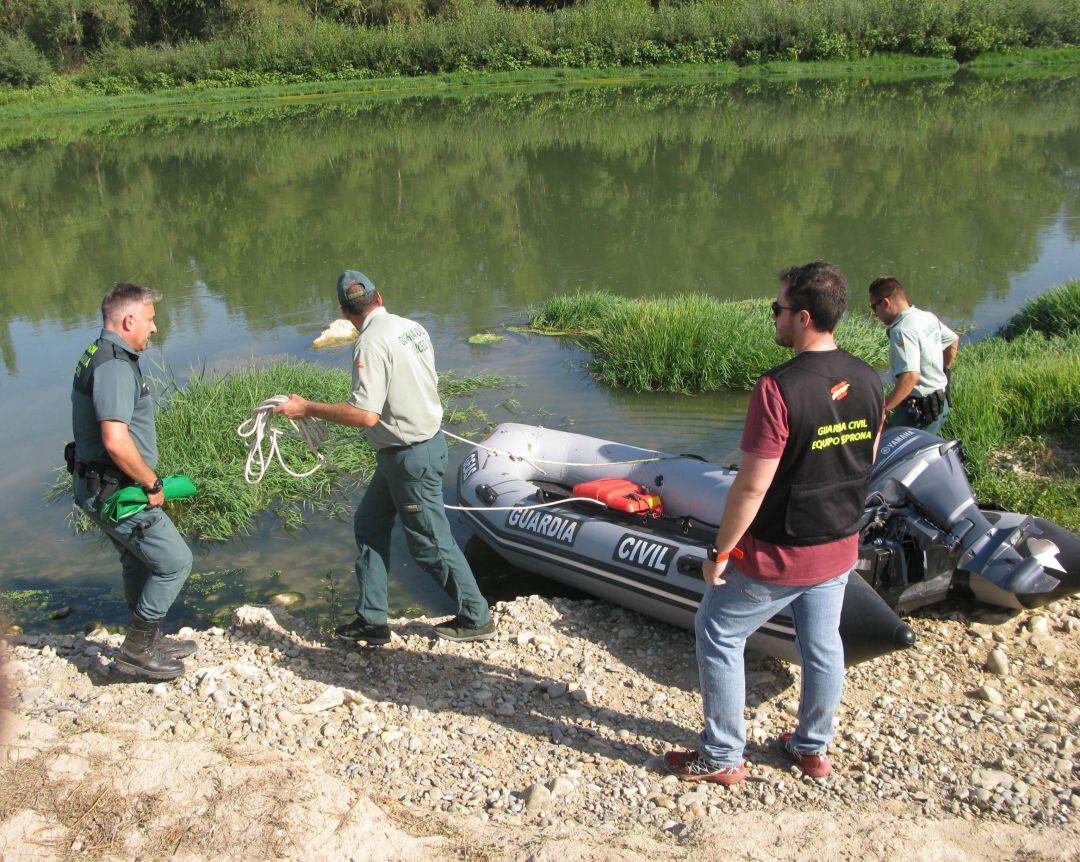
x: 408, y: 483
x: 155, y: 559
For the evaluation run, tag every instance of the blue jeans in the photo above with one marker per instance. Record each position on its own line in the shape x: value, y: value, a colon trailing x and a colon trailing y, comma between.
x: 727, y: 616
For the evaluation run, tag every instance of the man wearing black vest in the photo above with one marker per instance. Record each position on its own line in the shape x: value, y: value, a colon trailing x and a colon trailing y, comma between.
x: 112, y: 415
x: 790, y: 522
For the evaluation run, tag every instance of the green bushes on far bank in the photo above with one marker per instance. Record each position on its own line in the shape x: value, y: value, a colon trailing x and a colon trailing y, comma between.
x: 132, y: 44
x: 685, y: 343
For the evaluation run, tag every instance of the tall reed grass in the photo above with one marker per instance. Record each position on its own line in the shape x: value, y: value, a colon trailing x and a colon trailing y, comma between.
x: 197, y: 436
x: 1056, y: 312
x: 1010, y: 398
x: 687, y: 343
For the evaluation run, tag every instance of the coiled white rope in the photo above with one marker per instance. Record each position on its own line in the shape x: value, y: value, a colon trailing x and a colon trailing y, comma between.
x: 261, y: 435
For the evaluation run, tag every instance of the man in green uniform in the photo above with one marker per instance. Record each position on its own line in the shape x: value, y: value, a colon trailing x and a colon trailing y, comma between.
x: 921, y: 352
x: 116, y: 446
x: 395, y: 400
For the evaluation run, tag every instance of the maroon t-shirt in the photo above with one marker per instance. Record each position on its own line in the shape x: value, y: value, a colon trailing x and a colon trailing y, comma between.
x: 765, y: 436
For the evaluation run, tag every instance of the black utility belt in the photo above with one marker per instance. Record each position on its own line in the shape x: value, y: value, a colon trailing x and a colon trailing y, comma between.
x: 927, y: 408
x: 406, y: 446
x: 102, y: 477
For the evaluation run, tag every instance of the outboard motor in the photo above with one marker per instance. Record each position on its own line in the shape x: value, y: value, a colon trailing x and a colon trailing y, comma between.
x: 926, y: 510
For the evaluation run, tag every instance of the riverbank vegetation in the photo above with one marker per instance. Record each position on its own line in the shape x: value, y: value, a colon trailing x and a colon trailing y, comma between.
x: 689, y: 344
x: 125, y: 45
x: 197, y: 436
x: 1016, y: 397
x: 1017, y: 410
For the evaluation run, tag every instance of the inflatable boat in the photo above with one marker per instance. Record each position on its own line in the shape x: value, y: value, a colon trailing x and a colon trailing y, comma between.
x: 631, y: 526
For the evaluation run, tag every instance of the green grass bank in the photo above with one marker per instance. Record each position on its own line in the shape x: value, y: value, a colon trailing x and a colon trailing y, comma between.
x: 138, y: 45
x: 684, y: 344
x: 197, y: 425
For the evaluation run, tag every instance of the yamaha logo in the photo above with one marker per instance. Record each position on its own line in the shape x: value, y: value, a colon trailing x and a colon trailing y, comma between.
x: 644, y: 554
x: 558, y: 528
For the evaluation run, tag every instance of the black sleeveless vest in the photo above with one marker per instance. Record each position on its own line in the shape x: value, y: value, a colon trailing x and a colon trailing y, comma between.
x: 834, y: 403
x: 101, y: 351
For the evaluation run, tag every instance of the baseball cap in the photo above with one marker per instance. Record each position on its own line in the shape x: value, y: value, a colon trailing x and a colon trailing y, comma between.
x: 352, y: 284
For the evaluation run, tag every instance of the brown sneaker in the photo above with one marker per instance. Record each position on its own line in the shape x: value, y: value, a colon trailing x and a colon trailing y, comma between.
x: 691, y: 766
x: 814, y: 765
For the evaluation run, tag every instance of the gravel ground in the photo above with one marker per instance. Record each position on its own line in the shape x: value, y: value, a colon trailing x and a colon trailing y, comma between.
x: 562, y: 718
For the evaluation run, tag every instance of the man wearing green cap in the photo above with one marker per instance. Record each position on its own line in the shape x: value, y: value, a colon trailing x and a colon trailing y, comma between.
x: 396, y: 400
x: 115, y: 447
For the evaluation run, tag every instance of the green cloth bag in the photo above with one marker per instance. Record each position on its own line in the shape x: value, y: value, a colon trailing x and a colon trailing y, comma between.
x: 132, y: 499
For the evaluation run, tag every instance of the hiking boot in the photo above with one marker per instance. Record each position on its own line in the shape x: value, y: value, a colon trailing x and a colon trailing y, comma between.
x: 691, y: 766
x: 814, y: 765
x: 459, y: 629
x: 359, y: 631
x: 140, y: 654
x: 174, y: 647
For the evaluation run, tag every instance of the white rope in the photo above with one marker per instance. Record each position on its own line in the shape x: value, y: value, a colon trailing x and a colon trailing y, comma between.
x: 260, y: 428
x: 523, y: 508
x: 537, y: 461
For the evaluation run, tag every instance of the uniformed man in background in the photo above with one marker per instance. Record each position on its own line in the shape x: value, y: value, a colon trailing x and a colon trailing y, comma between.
x: 922, y: 349
x: 116, y: 446
x: 395, y: 399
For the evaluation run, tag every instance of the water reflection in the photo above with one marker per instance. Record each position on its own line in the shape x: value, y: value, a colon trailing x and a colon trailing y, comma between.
x: 468, y: 210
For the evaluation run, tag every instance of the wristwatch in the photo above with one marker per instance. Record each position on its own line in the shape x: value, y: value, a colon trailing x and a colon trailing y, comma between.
x: 155, y: 488
x: 715, y: 555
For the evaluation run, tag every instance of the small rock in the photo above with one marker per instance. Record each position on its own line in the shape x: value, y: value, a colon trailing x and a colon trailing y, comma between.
x: 656, y: 764
x: 990, y: 694
x: 536, y: 797
x: 287, y: 718
x: 1039, y: 625
x: 504, y: 709
x: 561, y: 786
x: 997, y: 663
x: 557, y: 689
x: 331, y: 697
x: 988, y: 779
x: 60, y: 613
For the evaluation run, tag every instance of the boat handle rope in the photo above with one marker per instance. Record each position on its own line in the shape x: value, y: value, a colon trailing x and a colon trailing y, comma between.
x: 536, y: 462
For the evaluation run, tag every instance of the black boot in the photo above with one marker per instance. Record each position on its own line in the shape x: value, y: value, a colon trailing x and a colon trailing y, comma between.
x: 173, y: 647
x: 140, y: 655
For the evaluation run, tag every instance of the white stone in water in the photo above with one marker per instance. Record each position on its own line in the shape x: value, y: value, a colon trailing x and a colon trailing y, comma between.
x: 339, y: 332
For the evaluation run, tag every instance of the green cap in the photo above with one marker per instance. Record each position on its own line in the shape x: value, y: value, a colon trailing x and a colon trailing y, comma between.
x: 352, y: 284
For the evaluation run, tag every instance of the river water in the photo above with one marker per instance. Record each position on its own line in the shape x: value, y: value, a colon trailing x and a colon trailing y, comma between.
x: 466, y: 210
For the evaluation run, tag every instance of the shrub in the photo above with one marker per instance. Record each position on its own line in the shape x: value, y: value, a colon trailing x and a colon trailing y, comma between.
x: 21, y: 64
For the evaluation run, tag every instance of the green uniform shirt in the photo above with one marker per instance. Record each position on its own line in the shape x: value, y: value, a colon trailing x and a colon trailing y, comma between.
x: 117, y: 394
x: 394, y: 376
x: 917, y: 340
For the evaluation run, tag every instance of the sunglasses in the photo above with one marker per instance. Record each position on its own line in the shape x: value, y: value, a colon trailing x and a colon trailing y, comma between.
x: 777, y: 308
x: 877, y: 302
